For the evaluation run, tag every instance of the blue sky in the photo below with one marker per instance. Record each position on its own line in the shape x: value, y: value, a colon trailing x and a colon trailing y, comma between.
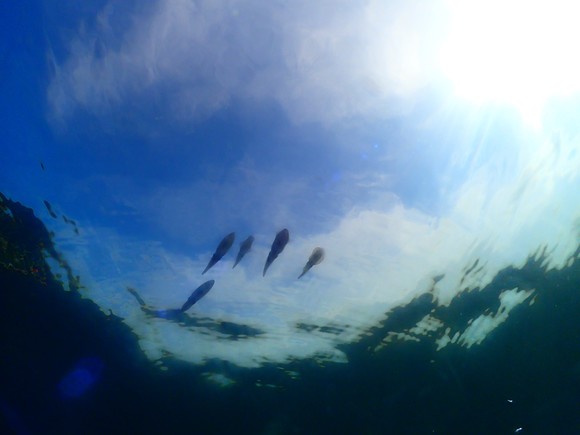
x: 164, y: 127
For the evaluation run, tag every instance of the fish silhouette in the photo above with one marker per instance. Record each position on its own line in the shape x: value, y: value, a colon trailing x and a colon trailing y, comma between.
x: 197, y: 294
x: 315, y: 258
x: 244, y: 248
x: 48, y: 206
x: 221, y: 250
x: 277, y: 247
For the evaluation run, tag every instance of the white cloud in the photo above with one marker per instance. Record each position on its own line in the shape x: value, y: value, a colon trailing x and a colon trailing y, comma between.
x: 321, y: 61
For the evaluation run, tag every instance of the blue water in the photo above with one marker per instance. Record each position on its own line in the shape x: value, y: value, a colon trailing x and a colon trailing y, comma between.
x: 134, y: 137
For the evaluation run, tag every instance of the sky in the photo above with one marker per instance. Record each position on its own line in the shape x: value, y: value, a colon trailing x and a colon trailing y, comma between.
x: 401, y: 136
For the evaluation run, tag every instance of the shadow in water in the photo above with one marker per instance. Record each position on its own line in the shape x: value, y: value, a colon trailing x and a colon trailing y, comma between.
x: 228, y: 330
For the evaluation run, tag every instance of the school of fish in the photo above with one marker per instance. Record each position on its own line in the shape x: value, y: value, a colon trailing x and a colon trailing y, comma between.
x: 280, y: 241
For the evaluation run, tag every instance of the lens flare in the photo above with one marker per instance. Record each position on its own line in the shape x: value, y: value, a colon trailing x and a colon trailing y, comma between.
x: 81, y: 379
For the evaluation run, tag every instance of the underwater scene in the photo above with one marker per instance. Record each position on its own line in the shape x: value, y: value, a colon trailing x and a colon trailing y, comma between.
x: 289, y: 217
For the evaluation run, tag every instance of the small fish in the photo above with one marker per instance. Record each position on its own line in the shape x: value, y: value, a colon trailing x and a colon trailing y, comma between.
x: 42, y: 165
x: 221, y: 250
x: 72, y: 223
x: 277, y: 247
x: 50, y: 209
x: 197, y: 294
x: 315, y: 258
x: 244, y: 248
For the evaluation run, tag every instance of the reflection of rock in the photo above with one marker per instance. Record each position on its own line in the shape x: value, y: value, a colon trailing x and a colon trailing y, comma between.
x: 25, y: 242
x: 315, y: 258
x: 244, y: 248
x: 471, y: 271
x: 221, y: 250
x: 327, y: 329
x: 277, y: 247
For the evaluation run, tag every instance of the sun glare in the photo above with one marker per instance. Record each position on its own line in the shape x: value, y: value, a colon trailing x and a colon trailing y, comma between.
x: 515, y: 52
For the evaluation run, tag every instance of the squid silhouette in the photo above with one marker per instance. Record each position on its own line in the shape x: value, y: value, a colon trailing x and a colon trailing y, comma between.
x: 315, y: 258
x: 277, y: 247
x: 221, y: 250
x: 244, y: 248
x: 197, y: 294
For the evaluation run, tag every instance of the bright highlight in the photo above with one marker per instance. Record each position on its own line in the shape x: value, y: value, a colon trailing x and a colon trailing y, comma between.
x: 515, y: 52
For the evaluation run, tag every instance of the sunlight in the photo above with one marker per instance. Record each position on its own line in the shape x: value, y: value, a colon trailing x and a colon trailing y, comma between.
x: 515, y: 52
